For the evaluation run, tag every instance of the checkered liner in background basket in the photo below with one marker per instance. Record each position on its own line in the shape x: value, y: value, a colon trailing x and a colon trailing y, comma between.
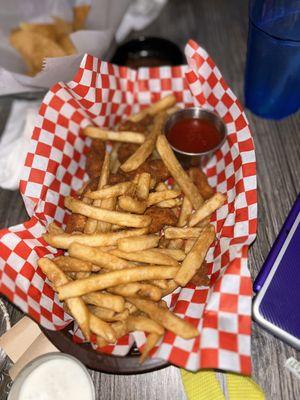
x: 102, y: 94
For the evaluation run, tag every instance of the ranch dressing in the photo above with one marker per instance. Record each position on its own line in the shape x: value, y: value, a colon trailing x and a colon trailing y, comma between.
x: 58, y: 378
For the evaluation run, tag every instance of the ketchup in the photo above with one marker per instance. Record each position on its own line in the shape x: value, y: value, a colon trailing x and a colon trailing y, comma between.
x: 194, y: 135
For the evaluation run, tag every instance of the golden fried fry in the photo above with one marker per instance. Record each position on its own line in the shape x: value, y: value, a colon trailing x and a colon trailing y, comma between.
x: 185, y: 212
x: 152, y: 340
x: 139, y: 323
x: 211, y: 205
x: 105, y: 300
x: 108, y: 315
x: 145, y: 150
x: 64, y: 240
x: 145, y: 256
x: 176, y: 170
x: 98, y: 257
x: 104, y: 134
x: 114, y: 278
x: 137, y: 289
x: 76, y: 305
x: 182, y: 233
x: 157, y: 197
x: 107, y: 204
x: 110, y: 191
x: 102, y: 328
x: 155, y: 108
x: 53, y: 228
x: 138, y: 243
x: 70, y: 264
x: 165, y: 318
x: 177, y: 254
x: 143, y: 186
x: 113, y: 217
x: 195, y: 257
x: 127, y: 203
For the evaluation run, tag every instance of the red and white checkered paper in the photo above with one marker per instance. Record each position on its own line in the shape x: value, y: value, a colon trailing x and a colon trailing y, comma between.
x: 102, y: 94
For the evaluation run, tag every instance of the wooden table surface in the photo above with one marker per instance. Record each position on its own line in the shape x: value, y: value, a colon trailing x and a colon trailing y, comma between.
x: 221, y: 27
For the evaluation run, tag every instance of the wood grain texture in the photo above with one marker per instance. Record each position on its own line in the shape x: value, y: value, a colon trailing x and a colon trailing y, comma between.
x: 221, y: 27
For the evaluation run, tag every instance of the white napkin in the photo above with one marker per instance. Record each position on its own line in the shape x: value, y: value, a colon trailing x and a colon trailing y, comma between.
x: 14, y: 143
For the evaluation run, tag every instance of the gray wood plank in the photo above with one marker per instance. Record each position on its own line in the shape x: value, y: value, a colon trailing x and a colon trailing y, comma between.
x: 220, y: 27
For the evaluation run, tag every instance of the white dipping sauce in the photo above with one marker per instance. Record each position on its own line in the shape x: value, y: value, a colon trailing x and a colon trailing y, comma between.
x: 57, y: 379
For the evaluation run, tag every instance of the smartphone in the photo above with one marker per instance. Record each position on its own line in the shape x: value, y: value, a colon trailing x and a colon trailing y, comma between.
x: 276, y: 306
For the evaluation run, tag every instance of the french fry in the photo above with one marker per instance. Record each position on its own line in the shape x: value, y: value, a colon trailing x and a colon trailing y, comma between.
x: 165, y: 318
x: 102, y: 328
x: 91, y: 223
x: 70, y: 264
x: 98, y: 257
x: 120, y: 329
x: 155, y: 108
x: 145, y: 150
x: 130, y: 307
x: 172, y: 285
x: 172, y: 110
x: 115, y: 278
x: 162, y: 304
x: 138, y: 243
x: 189, y: 245
x: 102, y: 313
x: 172, y: 203
x: 185, y: 212
x: 195, y: 257
x: 145, y: 256
x: 81, y: 275
x: 175, y: 244
x: 146, y: 290
x: 64, y: 240
x: 127, y: 203
x: 163, y: 243
x: 113, y: 217
x: 182, y: 233
x: 108, y: 315
x: 139, y: 323
x: 151, y: 342
x: 211, y: 205
x: 157, y: 197
x: 76, y: 305
x: 110, y: 191
x: 114, y: 160
x: 104, y: 134
x: 183, y: 180
x: 160, y: 283
x: 177, y: 254
x: 143, y: 186
x: 105, y: 300
x: 53, y: 228
x: 200, y: 180
x: 107, y: 204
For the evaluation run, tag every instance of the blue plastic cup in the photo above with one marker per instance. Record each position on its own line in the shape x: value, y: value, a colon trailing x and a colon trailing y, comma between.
x: 272, y: 79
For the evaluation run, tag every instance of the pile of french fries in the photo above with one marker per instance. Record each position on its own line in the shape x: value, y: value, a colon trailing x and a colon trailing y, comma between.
x: 114, y: 275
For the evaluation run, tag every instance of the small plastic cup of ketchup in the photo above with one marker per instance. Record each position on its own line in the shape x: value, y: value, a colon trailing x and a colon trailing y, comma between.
x: 195, y: 134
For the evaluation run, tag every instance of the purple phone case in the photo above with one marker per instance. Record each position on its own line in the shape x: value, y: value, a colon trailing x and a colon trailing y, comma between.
x: 277, y: 304
x: 268, y: 264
